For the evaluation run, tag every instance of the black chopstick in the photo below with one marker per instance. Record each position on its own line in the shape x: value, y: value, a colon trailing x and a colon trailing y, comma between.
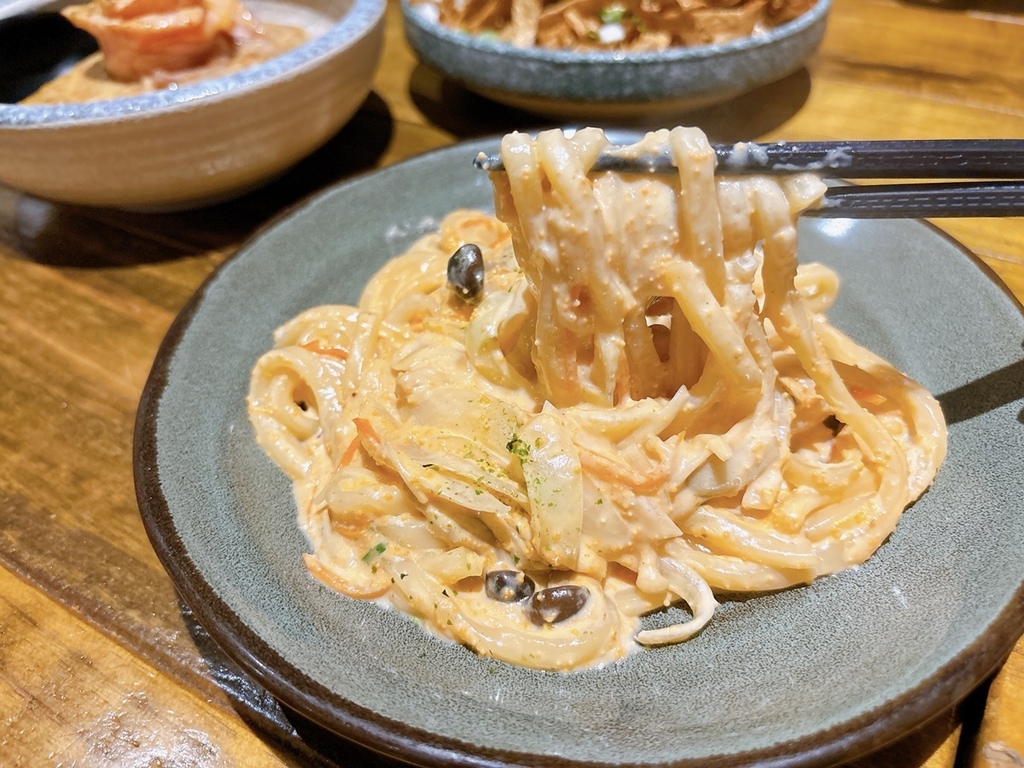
x: 922, y: 201
x: 910, y: 159
x: 997, y: 164
x: 907, y: 159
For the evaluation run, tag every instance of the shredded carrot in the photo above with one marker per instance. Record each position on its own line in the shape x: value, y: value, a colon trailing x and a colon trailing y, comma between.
x: 350, y: 452
x: 367, y: 431
x: 863, y: 395
x: 318, y: 348
x: 602, y: 466
x: 331, y: 579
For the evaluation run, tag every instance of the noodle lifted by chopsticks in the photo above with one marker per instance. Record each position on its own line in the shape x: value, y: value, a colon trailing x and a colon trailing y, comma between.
x: 647, y: 404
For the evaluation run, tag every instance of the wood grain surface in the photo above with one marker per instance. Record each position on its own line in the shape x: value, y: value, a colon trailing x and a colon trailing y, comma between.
x: 100, y: 663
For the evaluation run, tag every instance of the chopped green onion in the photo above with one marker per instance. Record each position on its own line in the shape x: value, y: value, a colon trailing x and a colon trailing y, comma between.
x: 372, y: 552
x: 613, y: 14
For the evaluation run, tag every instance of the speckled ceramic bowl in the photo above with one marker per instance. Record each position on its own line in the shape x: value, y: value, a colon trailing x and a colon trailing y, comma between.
x: 203, y: 142
x: 568, y: 84
x: 806, y: 677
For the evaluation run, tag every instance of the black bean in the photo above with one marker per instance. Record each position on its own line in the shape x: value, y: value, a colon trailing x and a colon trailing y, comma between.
x: 466, y: 272
x: 555, y: 604
x: 508, y: 586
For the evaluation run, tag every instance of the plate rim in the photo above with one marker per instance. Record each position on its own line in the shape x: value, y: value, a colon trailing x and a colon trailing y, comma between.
x: 850, y: 739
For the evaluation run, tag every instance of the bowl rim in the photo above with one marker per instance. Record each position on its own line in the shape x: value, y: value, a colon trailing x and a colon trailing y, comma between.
x: 675, y: 54
x: 359, y: 19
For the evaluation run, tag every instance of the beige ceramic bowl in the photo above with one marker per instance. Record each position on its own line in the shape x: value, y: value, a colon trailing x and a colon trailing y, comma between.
x: 204, y: 142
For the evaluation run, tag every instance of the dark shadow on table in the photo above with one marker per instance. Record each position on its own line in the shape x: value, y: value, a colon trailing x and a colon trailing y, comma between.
x: 465, y: 114
x: 298, y: 741
x: 95, y: 238
x: 915, y: 748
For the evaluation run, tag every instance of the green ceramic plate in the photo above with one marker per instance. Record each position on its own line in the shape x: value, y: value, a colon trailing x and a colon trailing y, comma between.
x: 805, y: 677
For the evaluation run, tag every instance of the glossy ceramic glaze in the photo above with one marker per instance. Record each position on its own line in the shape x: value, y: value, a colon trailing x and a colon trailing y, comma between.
x: 203, y: 142
x: 596, y: 84
x: 807, y: 676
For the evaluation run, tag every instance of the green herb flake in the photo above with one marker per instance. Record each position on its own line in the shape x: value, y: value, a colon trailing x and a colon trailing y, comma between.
x: 372, y: 552
x: 613, y: 14
x: 517, y: 447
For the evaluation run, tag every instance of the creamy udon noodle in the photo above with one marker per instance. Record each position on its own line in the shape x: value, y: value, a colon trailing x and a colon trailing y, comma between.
x: 643, y: 404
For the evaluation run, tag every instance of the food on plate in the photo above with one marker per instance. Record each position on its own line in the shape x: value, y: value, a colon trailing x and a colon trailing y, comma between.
x: 634, y: 25
x: 554, y: 434
x: 148, y: 45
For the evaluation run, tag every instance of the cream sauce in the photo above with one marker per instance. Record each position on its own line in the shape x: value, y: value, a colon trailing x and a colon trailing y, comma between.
x: 88, y: 79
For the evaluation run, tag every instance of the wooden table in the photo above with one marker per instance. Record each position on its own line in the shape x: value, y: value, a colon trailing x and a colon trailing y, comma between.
x: 100, y: 664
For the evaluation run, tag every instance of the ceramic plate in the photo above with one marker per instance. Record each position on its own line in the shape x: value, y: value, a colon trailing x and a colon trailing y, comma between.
x: 807, y: 676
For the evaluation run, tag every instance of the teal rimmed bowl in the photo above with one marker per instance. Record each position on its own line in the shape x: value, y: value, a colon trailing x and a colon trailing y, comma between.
x: 596, y: 84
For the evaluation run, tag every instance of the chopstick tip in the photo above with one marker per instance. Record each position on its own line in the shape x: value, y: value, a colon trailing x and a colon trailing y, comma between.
x: 485, y: 162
